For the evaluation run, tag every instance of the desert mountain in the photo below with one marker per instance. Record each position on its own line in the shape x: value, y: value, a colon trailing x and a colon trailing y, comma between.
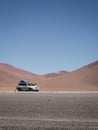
x: 10, y: 76
x: 55, y: 74
x: 84, y: 78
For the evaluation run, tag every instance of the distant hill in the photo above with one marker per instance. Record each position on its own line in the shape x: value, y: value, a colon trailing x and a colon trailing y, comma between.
x: 10, y: 76
x: 55, y: 74
x: 84, y: 78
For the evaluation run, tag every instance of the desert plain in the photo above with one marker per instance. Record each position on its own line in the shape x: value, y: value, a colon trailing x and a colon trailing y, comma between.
x: 49, y: 110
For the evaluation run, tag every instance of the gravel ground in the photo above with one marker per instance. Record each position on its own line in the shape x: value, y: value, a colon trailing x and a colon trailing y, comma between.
x: 48, y: 111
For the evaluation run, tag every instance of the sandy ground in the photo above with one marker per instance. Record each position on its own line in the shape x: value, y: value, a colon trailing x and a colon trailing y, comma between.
x: 49, y: 111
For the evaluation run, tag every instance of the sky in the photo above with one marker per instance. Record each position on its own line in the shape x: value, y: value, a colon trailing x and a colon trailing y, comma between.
x: 43, y: 36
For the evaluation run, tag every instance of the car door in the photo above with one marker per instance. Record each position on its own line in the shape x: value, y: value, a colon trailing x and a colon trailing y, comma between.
x: 25, y: 87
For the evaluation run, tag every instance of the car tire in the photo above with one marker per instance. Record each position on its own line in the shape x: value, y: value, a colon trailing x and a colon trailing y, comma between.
x: 19, y: 89
x: 30, y: 89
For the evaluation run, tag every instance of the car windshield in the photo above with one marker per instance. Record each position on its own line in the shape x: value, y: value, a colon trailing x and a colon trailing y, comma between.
x: 33, y: 84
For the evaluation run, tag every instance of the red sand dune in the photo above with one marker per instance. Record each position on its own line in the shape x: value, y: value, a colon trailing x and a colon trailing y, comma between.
x: 84, y: 78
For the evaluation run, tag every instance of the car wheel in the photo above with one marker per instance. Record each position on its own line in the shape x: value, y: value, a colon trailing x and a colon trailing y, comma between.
x: 19, y: 89
x: 30, y: 89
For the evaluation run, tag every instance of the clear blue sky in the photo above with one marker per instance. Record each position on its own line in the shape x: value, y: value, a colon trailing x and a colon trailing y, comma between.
x: 45, y: 36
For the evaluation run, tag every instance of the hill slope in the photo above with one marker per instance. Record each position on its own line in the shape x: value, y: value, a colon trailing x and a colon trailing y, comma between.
x: 10, y: 75
x: 84, y: 78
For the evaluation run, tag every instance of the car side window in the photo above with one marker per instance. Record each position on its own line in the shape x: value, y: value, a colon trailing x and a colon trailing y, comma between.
x: 22, y: 84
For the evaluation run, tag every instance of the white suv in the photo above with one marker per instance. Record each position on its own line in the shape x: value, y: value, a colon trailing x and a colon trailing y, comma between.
x: 25, y: 85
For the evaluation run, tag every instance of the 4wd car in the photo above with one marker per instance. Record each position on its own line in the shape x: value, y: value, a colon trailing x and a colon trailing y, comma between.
x: 25, y: 85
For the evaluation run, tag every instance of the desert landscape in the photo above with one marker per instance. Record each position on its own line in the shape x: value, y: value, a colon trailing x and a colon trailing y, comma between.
x: 66, y: 100
x: 82, y: 79
x: 48, y: 64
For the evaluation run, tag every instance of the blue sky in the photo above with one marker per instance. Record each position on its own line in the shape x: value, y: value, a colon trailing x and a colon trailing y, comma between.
x: 44, y: 36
